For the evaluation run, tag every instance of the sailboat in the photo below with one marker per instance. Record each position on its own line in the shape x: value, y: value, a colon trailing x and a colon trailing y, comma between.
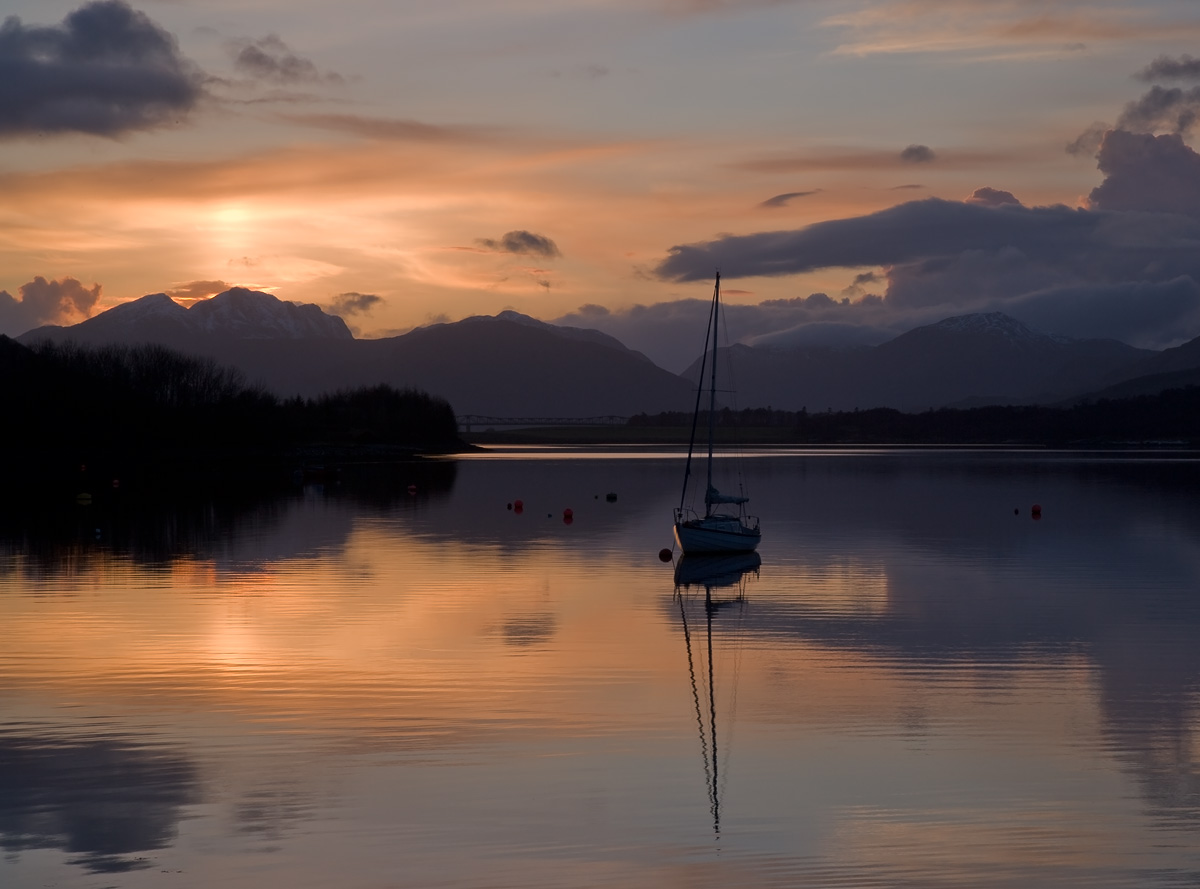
x: 721, y: 529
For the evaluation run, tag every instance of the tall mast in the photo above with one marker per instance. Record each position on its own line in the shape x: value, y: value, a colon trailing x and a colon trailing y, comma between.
x: 712, y: 392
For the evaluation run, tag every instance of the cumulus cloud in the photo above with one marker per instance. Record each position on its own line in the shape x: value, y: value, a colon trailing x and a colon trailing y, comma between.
x: 46, y: 302
x: 1147, y: 173
x: 106, y: 70
x: 1162, y: 108
x: 992, y: 197
x: 352, y: 303
x: 917, y: 154
x: 270, y: 59
x: 522, y: 242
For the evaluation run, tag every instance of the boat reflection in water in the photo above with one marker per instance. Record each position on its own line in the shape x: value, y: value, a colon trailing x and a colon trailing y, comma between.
x: 726, y: 574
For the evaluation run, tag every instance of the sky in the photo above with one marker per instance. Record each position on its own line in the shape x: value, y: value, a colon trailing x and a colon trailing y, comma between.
x: 854, y: 169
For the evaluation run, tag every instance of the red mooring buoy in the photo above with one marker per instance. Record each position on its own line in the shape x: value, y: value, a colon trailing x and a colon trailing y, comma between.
x: 664, y: 555
x: 1036, y: 512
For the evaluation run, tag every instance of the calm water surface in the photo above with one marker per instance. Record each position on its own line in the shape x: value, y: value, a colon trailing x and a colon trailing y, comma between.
x: 351, y: 685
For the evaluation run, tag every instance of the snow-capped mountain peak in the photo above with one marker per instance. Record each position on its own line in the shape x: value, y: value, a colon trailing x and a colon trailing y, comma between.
x: 993, y: 323
x: 252, y: 314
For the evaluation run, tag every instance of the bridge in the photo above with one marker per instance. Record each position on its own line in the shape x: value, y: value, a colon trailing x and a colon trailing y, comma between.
x: 466, y: 421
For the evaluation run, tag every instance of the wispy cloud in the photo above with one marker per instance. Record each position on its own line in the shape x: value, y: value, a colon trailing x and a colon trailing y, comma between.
x: 270, y: 59
x: 197, y: 290
x: 1006, y: 27
x: 782, y: 200
x: 393, y: 129
x: 858, y: 159
x: 522, y: 242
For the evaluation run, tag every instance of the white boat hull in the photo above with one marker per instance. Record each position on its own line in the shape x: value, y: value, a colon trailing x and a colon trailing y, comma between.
x: 716, y: 536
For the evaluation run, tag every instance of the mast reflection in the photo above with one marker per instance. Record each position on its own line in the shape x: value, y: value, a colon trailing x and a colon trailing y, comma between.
x: 711, y: 572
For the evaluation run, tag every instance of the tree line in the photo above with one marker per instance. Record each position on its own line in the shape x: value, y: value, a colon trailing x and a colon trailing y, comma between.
x: 1167, y: 417
x: 150, y: 400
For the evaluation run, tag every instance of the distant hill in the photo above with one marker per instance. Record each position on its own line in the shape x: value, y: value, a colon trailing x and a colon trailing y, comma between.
x: 509, y: 365
x: 964, y: 360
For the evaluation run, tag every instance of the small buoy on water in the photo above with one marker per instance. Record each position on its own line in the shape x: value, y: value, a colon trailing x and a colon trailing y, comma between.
x: 1016, y: 511
x: 664, y: 555
x: 84, y: 499
x: 611, y: 497
x: 116, y: 483
x: 518, y: 505
x: 1036, y: 512
x: 508, y: 506
x: 412, y: 489
x: 567, y: 519
x: 568, y: 513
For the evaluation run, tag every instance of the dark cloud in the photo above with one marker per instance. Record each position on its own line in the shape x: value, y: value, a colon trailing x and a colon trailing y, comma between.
x: 1088, y: 142
x: 106, y: 70
x: 522, y: 242
x: 782, y: 200
x: 1161, y: 108
x: 355, y: 303
x: 1147, y: 173
x: 858, y: 287
x: 1126, y: 267
x: 1152, y: 314
x: 898, y: 234
x: 1166, y: 68
x: 992, y: 197
x: 46, y: 302
x: 917, y: 154
x: 270, y: 59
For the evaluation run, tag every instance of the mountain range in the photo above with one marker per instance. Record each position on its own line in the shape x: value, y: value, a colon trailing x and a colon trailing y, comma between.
x: 507, y: 366
x: 511, y: 365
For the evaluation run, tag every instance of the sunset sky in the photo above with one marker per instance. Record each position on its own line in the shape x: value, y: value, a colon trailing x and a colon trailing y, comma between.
x: 592, y: 161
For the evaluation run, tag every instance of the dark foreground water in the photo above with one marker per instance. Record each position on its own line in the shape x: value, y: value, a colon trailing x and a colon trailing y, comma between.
x: 352, y: 685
